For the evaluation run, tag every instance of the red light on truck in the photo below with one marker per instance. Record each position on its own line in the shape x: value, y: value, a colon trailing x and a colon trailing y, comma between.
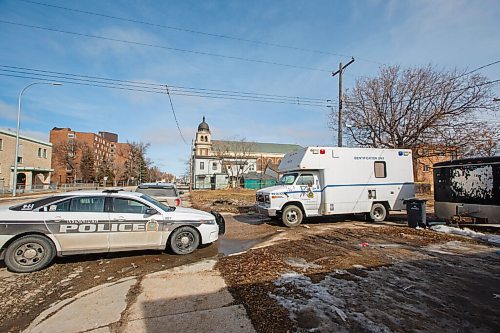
x: 322, y: 151
x: 177, y: 202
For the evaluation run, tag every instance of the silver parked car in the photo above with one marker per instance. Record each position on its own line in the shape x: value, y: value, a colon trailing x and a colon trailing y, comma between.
x: 166, y: 193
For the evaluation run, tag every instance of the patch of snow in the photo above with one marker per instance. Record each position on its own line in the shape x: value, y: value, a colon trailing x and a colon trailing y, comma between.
x: 326, y: 298
x: 301, y: 263
x: 492, y: 239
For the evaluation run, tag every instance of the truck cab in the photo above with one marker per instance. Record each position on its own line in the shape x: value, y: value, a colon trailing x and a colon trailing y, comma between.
x: 300, y: 189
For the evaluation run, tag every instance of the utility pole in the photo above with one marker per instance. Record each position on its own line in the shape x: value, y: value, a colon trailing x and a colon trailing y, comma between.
x: 339, y: 72
x: 191, y: 173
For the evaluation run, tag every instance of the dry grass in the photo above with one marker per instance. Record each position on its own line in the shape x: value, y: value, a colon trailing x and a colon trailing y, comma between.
x: 229, y: 200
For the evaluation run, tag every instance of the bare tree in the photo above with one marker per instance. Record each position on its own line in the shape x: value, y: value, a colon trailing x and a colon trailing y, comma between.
x: 137, y: 164
x: 408, y: 108
x: 486, y: 142
x: 66, y: 156
x: 105, y: 171
x: 155, y: 174
x: 87, y: 164
x: 235, y: 157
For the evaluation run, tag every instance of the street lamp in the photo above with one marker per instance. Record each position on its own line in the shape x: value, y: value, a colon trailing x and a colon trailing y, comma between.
x: 18, y: 125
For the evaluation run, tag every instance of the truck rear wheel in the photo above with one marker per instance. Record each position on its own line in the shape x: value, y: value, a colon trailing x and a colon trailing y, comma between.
x: 378, y: 212
x: 292, y: 216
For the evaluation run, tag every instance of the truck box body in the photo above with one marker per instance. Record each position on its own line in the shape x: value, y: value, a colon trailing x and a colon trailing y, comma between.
x: 332, y: 180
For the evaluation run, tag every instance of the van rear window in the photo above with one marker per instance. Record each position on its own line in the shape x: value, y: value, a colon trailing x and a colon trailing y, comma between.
x: 158, y: 192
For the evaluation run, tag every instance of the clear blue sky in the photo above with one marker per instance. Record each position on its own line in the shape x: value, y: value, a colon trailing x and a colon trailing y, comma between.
x: 448, y: 34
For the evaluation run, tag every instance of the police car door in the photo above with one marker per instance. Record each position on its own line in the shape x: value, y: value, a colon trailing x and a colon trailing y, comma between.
x: 80, y: 224
x: 131, y: 227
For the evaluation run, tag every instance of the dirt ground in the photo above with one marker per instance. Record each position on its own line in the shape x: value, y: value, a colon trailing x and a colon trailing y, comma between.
x: 318, y: 277
x: 229, y: 200
x: 24, y: 296
x: 361, y: 277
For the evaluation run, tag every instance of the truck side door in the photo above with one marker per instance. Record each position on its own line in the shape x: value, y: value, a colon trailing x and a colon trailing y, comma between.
x: 310, y: 194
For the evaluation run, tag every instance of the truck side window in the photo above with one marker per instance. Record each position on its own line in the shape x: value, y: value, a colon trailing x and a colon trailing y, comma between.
x: 305, y: 180
x: 380, y: 169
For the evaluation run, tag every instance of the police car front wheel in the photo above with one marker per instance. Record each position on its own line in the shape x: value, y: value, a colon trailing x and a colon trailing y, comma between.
x: 29, y: 253
x: 184, y: 240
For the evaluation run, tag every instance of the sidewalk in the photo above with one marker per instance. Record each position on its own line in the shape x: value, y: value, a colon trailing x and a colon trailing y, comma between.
x: 190, y: 298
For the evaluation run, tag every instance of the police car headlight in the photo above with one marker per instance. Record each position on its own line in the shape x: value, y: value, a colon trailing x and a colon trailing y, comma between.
x: 207, y: 221
x: 266, y: 199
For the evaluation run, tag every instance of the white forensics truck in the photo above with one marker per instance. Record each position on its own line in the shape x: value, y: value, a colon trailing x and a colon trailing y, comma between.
x: 320, y: 181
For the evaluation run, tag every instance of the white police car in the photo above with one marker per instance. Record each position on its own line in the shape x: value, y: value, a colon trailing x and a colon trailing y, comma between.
x: 32, y: 234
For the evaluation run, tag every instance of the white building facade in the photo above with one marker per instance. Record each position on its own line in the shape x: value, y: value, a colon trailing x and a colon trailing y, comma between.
x: 209, y: 170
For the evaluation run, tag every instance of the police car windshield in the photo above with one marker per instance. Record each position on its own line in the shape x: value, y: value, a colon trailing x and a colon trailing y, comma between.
x: 288, y: 179
x: 157, y: 203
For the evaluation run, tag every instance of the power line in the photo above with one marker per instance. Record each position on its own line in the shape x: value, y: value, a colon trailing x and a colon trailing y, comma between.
x: 67, y: 80
x: 240, y: 39
x: 481, y: 67
x: 175, y: 117
x: 165, y: 47
x: 161, y: 86
x: 158, y: 88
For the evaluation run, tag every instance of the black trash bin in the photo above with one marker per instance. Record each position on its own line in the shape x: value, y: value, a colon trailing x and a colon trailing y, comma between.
x: 415, y: 208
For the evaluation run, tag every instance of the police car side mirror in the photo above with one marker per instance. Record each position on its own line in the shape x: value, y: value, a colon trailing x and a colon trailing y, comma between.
x: 151, y: 211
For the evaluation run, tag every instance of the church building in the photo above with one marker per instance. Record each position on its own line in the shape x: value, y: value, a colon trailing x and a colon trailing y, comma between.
x: 219, y: 163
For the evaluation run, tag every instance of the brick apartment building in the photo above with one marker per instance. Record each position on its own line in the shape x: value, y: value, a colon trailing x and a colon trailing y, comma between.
x: 104, y: 146
x: 34, y: 162
x: 422, y: 166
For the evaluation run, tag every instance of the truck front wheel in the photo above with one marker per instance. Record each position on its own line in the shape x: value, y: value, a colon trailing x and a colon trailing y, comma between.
x: 378, y: 212
x: 292, y: 216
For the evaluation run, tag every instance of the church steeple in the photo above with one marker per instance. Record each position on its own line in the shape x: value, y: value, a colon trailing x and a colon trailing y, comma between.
x: 203, y: 126
x: 203, y: 142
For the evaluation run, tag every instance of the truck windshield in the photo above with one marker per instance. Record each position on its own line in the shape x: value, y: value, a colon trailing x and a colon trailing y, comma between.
x: 288, y: 179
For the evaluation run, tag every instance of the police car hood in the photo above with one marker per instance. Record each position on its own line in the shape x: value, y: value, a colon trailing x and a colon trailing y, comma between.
x: 182, y: 213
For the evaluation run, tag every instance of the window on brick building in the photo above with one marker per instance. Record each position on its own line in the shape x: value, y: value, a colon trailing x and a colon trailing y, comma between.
x: 426, y: 168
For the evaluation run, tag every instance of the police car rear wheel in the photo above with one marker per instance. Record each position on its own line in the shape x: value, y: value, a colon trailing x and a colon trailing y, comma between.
x: 29, y: 254
x: 292, y: 216
x: 184, y: 240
